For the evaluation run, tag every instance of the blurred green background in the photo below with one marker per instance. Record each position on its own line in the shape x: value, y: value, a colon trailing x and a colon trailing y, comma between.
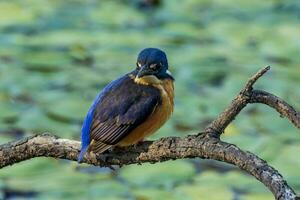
x: 55, y: 56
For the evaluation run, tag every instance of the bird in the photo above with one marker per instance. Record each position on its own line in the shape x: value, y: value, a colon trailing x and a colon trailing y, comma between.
x: 131, y: 107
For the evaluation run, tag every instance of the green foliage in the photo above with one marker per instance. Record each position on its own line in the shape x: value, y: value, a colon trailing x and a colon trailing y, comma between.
x: 165, y: 174
x: 55, y: 56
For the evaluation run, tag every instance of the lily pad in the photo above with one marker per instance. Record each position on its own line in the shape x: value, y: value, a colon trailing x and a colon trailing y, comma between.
x: 68, y: 109
x: 164, y: 174
x: 45, y: 61
x: 191, y: 192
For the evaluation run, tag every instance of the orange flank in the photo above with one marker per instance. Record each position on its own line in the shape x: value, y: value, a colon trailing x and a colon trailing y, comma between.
x: 160, y: 115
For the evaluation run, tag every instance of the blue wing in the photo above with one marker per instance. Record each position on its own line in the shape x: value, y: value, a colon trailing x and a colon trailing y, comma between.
x: 117, y: 110
x: 86, y: 126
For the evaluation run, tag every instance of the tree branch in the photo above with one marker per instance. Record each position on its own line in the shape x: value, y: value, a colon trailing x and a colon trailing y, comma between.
x: 206, y: 146
x: 284, y: 109
x: 246, y: 96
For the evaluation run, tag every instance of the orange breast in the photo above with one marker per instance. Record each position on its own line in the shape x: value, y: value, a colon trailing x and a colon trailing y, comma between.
x: 159, y: 116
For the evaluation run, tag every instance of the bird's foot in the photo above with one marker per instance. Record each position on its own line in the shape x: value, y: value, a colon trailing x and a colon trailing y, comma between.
x: 103, y: 158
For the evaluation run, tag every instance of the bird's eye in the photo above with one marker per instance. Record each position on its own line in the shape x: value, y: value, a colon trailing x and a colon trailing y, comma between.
x: 154, y: 66
x: 138, y: 65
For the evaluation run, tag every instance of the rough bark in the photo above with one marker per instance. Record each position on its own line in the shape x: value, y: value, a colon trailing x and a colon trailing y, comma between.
x: 206, y: 145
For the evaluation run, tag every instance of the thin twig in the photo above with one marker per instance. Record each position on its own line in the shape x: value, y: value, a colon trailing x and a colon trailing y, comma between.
x: 254, y: 78
x: 281, y: 106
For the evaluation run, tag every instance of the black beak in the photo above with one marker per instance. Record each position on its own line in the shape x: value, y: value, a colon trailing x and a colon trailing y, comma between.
x: 144, y: 71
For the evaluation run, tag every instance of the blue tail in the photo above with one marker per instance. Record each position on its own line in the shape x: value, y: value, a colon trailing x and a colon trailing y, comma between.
x: 82, y: 153
x: 85, y: 134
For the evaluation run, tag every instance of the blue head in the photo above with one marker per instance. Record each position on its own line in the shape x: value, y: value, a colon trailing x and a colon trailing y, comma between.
x: 152, y: 61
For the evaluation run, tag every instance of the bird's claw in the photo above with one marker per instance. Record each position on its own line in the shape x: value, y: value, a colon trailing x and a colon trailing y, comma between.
x: 103, y: 159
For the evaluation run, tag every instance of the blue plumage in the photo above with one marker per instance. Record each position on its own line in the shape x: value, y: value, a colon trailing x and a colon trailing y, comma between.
x: 124, y: 104
x: 86, y: 126
x: 85, y: 133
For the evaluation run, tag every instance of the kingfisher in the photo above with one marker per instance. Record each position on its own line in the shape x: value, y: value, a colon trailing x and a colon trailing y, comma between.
x: 131, y: 107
